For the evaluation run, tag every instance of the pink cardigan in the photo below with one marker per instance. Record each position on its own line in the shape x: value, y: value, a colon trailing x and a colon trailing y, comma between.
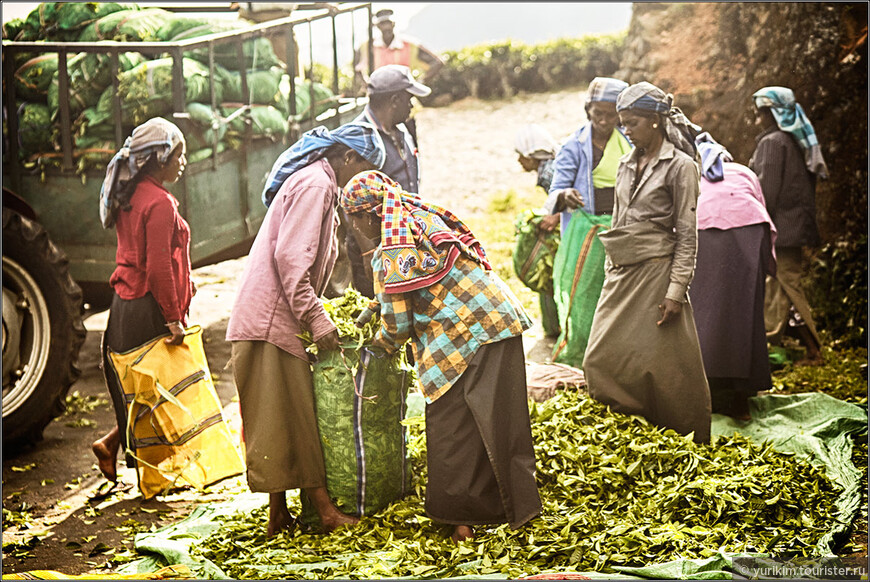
x: 289, y: 264
x: 734, y: 202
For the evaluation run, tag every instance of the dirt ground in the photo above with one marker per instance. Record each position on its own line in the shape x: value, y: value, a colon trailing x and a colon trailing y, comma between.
x: 48, y: 523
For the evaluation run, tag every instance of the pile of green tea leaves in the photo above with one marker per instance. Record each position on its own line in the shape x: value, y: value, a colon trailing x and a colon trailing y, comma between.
x: 616, y: 492
x: 843, y: 375
x: 344, y: 311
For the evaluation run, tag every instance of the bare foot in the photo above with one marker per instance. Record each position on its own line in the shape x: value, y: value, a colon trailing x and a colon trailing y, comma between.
x: 106, y: 451
x: 337, y: 519
x: 280, y: 518
x: 740, y: 409
x: 280, y: 523
x: 462, y: 533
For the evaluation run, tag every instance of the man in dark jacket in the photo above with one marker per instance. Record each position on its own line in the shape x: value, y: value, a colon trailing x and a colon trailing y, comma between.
x: 389, y: 89
x: 788, y: 160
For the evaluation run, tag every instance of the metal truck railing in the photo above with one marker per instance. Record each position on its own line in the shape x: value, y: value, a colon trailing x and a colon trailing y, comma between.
x: 176, y: 51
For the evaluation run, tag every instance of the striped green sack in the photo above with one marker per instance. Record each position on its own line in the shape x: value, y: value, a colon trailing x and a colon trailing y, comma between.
x: 360, y: 404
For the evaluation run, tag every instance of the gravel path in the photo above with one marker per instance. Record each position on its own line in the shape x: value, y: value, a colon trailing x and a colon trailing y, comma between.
x: 467, y: 148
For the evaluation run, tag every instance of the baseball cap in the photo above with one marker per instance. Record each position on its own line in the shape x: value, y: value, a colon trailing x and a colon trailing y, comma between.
x: 391, y: 78
x: 382, y: 16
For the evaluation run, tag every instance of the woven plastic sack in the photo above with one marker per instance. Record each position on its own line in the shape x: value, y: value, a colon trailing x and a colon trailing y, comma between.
x: 74, y: 16
x: 89, y: 76
x: 175, y: 429
x: 266, y: 121
x: 323, y: 97
x: 360, y: 404
x: 13, y: 29
x: 205, y: 127
x: 33, y: 78
x: 34, y: 129
x: 146, y: 90
x: 534, y: 251
x: 579, y: 277
x: 40, y: 23
x: 258, y: 53
x: 127, y: 26
x: 64, y: 21
x: 263, y: 85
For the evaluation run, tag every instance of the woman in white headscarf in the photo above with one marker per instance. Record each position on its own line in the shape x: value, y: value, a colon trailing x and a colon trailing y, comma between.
x: 643, y: 356
x: 536, y: 151
x: 152, y: 284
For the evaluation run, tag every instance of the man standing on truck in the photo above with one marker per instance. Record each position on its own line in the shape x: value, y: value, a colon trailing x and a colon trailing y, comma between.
x: 395, y: 49
x: 390, y: 89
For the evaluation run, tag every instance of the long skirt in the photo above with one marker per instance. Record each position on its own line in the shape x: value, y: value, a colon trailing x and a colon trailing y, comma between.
x: 131, y: 323
x: 279, y: 425
x: 728, y: 301
x: 637, y: 367
x: 480, y: 455
x: 785, y: 291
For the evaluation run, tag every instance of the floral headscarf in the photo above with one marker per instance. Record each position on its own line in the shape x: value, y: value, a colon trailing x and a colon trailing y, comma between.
x: 419, y: 241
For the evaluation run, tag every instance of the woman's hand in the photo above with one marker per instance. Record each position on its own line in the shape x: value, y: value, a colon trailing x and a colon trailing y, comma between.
x: 548, y: 223
x: 670, y: 311
x: 177, y: 331
x: 569, y: 198
x: 328, y: 342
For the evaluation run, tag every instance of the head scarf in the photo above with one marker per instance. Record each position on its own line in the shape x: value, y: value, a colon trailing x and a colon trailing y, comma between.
x: 533, y: 141
x: 604, y: 89
x: 156, y: 136
x: 790, y: 117
x: 419, y: 241
x: 360, y: 136
x: 713, y: 155
x: 647, y: 97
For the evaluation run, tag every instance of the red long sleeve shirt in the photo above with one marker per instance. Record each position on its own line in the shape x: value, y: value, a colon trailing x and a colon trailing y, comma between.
x: 154, y: 251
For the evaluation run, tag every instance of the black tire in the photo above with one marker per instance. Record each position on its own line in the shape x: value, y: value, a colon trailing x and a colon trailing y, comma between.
x: 42, y: 330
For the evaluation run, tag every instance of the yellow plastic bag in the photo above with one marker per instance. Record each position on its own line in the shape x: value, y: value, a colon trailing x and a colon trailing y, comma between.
x: 175, y: 427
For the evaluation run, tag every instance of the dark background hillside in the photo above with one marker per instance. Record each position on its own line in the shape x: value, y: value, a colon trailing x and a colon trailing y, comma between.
x: 724, y: 52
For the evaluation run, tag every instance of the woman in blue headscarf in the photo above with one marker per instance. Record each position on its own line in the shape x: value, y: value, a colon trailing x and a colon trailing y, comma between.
x: 643, y: 355
x: 277, y: 299
x: 581, y: 194
x: 788, y: 160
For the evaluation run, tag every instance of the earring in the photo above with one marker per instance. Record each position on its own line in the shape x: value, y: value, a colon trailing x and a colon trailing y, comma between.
x: 655, y: 125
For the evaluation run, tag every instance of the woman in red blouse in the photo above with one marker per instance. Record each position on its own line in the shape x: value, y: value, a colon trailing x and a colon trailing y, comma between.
x: 152, y: 281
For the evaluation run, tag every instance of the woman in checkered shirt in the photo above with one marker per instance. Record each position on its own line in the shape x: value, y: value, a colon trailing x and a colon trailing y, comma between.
x: 437, y: 290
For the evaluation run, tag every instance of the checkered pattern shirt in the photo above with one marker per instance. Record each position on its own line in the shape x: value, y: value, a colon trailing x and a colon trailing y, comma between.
x: 448, y: 321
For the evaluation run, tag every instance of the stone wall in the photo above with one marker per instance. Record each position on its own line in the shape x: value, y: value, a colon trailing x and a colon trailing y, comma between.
x: 713, y: 56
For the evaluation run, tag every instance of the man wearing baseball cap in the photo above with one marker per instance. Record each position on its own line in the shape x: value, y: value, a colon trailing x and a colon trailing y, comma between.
x: 389, y: 90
